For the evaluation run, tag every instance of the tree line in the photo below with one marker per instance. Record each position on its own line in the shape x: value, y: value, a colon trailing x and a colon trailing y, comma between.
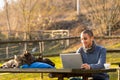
x: 29, y: 15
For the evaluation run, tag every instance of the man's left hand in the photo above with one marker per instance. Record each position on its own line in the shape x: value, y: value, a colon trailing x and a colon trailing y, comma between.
x: 85, y: 66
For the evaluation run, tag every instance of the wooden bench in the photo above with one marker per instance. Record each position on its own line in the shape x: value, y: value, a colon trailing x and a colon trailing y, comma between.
x: 116, y: 63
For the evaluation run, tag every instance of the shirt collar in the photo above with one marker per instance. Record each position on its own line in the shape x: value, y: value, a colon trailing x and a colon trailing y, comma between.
x: 91, y: 48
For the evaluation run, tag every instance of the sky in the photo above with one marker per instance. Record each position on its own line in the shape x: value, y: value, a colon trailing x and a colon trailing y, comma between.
x: 1, y: 3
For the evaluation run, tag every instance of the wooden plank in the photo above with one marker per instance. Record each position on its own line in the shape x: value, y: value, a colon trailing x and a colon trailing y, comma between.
x: 57, y: 54
x: 116, y: 63
x: 113, y: 50
x: 43, y: 40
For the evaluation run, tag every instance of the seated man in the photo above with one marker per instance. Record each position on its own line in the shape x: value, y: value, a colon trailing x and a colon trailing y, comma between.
x: 93, y: 55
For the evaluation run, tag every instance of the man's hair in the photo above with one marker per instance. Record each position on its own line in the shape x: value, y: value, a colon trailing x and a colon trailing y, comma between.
x: 89, y: 32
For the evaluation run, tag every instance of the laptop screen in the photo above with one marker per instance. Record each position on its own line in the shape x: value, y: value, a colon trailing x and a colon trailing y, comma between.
x: 71, y: 60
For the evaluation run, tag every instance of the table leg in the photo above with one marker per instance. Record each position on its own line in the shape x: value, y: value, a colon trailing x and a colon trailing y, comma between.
x: 85, y: 78
x: 60, y: 78
x: 41, y: 76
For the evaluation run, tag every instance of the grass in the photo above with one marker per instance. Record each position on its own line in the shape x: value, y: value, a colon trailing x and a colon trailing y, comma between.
x: 30, y: 76
x: 114, y: 57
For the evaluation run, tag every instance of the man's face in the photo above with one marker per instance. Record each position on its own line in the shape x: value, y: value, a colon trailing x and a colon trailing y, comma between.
x: 86, y: 40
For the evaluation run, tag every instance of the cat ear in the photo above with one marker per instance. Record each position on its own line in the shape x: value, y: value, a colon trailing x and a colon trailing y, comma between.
x: 15, y: 56
x: 26, y: 51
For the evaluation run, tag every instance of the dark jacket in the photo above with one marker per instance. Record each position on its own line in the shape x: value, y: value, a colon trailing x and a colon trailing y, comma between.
x: 95, y: 57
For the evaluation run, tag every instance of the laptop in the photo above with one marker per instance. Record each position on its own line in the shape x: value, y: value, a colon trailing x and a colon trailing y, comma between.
x: 71, y: 60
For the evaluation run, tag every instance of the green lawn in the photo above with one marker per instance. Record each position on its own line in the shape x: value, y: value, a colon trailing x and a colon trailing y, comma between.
x: 114, y: 57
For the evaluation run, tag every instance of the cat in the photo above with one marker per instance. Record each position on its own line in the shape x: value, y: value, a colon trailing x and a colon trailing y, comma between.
x: 10, y: 64
x: 25, y: 58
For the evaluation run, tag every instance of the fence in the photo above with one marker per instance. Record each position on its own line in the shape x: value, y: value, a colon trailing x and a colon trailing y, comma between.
x: 10, y: 48
x: 32, y: 43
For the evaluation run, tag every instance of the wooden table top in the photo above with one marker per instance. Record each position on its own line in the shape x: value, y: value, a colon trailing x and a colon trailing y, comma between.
x: 38, y: 70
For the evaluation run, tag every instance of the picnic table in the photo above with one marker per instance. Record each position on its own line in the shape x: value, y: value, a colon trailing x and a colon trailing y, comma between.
x: 59, y: 73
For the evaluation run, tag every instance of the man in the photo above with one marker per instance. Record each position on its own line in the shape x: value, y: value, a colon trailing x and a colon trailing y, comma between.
x: 93, y: 55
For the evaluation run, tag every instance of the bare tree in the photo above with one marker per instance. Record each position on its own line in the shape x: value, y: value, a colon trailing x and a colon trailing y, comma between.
x: 27, y: 7
x: 103, y: 14
x: 7, y: 17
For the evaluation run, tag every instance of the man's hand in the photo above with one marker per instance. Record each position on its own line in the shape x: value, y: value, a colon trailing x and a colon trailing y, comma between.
x: 85, y: 66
